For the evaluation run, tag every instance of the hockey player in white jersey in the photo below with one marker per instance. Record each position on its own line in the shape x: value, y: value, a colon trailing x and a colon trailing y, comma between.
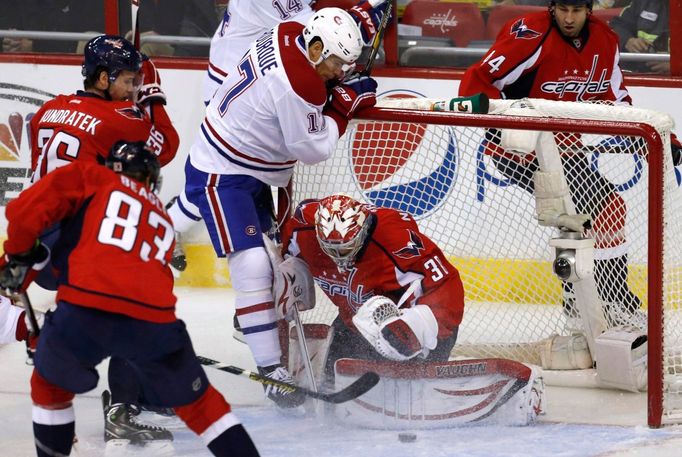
x: 243, y: 22
x: 272, y: 110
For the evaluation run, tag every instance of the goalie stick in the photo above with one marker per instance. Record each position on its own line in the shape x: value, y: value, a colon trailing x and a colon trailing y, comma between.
x: 361, y: 386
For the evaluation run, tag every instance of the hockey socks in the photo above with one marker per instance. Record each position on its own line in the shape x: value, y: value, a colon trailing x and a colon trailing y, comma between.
x: 233, y: 441
x: 53, y: 431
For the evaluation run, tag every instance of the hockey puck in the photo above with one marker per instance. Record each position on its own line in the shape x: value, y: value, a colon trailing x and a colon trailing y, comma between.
x: 407, y: 437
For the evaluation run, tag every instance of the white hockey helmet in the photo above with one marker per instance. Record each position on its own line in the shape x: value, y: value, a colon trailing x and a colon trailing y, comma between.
x: 339, y: 33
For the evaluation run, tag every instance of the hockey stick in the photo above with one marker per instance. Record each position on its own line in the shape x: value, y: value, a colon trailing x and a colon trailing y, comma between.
x: 135, y: 16
x: 361, y: 385
x: 303, y: 347
x: 376, y: 43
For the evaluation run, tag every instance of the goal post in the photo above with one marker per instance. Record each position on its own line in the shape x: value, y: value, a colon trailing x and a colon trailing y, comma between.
x: 451, y: 173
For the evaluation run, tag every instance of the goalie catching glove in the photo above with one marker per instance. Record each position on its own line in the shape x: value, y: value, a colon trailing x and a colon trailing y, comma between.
x: 150, y: 87
x: 17, y: 271
x: 347, y: 98
x: 397, y: 334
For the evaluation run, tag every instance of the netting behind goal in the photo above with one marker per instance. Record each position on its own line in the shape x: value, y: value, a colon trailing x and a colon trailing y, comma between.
x: 474, y: 200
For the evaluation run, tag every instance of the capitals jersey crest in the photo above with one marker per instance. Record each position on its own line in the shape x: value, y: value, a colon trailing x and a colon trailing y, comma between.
x: 414, y: 247
x: 520, y: 30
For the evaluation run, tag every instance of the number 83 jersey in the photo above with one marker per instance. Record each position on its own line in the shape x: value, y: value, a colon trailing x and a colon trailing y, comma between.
x: 395, y: 255
x: 115, y: 245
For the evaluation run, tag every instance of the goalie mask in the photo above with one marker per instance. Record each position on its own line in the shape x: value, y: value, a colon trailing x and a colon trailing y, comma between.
x: 135, y: 160
x: 341, y: 226
x: 339, y: 34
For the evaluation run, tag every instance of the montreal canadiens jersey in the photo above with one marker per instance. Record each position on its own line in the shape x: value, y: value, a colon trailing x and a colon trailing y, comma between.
x: 531, y: 58
x: 243, y: 22
x: 116, y: 239
x: 396, y: 255
x: 85, y: 127
x: 267, y: 114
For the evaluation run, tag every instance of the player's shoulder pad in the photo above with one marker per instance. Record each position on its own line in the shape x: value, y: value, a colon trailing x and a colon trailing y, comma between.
x: 392, y: 227
x: 304, y: 79
x: 529, y: 28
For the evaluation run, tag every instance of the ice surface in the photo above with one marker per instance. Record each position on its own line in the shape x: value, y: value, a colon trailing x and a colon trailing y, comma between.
x: 573, y: 426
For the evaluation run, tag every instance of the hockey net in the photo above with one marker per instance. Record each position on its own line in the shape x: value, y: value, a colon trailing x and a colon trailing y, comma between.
x: 441, y: 168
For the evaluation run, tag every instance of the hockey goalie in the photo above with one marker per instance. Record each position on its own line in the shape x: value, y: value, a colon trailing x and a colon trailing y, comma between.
x: 400, y: 304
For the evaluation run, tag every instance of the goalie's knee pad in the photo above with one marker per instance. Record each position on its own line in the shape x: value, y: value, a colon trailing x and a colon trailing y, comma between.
x: 250, y: 270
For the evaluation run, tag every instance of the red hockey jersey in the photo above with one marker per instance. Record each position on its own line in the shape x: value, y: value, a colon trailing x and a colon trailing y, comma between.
x: 531, y: 58
x: 116, y: 239
x: 396, y: 255
x: 85, y: 126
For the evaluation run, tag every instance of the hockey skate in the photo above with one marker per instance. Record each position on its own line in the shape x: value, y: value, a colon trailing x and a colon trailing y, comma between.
x: 281, y: 398
x: 120, y: 423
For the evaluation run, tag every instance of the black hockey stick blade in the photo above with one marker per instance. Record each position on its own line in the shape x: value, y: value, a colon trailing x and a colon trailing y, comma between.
x: 361, y: 385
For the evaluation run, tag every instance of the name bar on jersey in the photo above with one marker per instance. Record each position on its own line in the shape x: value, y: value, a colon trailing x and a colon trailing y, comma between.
x: 239, y: 158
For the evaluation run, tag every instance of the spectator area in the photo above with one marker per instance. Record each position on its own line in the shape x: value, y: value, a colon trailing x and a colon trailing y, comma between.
x: 454, y: 23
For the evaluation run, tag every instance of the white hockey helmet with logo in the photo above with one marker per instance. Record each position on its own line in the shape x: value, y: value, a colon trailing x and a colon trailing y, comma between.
x: 339, y: 33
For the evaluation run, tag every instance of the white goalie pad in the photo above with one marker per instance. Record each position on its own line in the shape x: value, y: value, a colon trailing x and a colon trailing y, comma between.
x: 318, y: 338
x: 621, y: 355
x: 442, y: 394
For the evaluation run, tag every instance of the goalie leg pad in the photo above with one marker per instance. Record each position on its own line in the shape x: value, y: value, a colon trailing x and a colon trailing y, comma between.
x: 442, y: 394
x: 621, y: 355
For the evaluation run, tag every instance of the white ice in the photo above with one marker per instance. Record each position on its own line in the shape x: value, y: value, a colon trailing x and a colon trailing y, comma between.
x: 578, y: 422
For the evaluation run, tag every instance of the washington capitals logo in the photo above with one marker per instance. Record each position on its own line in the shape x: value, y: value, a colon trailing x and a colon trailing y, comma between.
x: 132, y: 112
x: 522, y: 31
x: 413, y: 249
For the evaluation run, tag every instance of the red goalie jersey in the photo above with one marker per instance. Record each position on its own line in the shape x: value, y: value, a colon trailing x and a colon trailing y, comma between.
x: 107, y: 219
x: 531, y: 58
x: 395, y: 255
x: 85, y: 126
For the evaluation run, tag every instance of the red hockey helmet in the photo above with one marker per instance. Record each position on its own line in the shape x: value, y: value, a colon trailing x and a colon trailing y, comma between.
x: 341, y: 226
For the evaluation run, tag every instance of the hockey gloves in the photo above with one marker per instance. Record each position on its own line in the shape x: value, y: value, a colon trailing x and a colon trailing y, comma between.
x: 368, y: 17
x: 282, y: 398
x: 349, y: 97
x: 676, y: 149
x: 17, y: 271
x: 150, y: 88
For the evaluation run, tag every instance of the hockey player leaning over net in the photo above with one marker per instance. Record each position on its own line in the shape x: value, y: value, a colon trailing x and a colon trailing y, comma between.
x: 115, y: 299
x: 271, y: 111
x: 566, y: 54
x: 243, y: 22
